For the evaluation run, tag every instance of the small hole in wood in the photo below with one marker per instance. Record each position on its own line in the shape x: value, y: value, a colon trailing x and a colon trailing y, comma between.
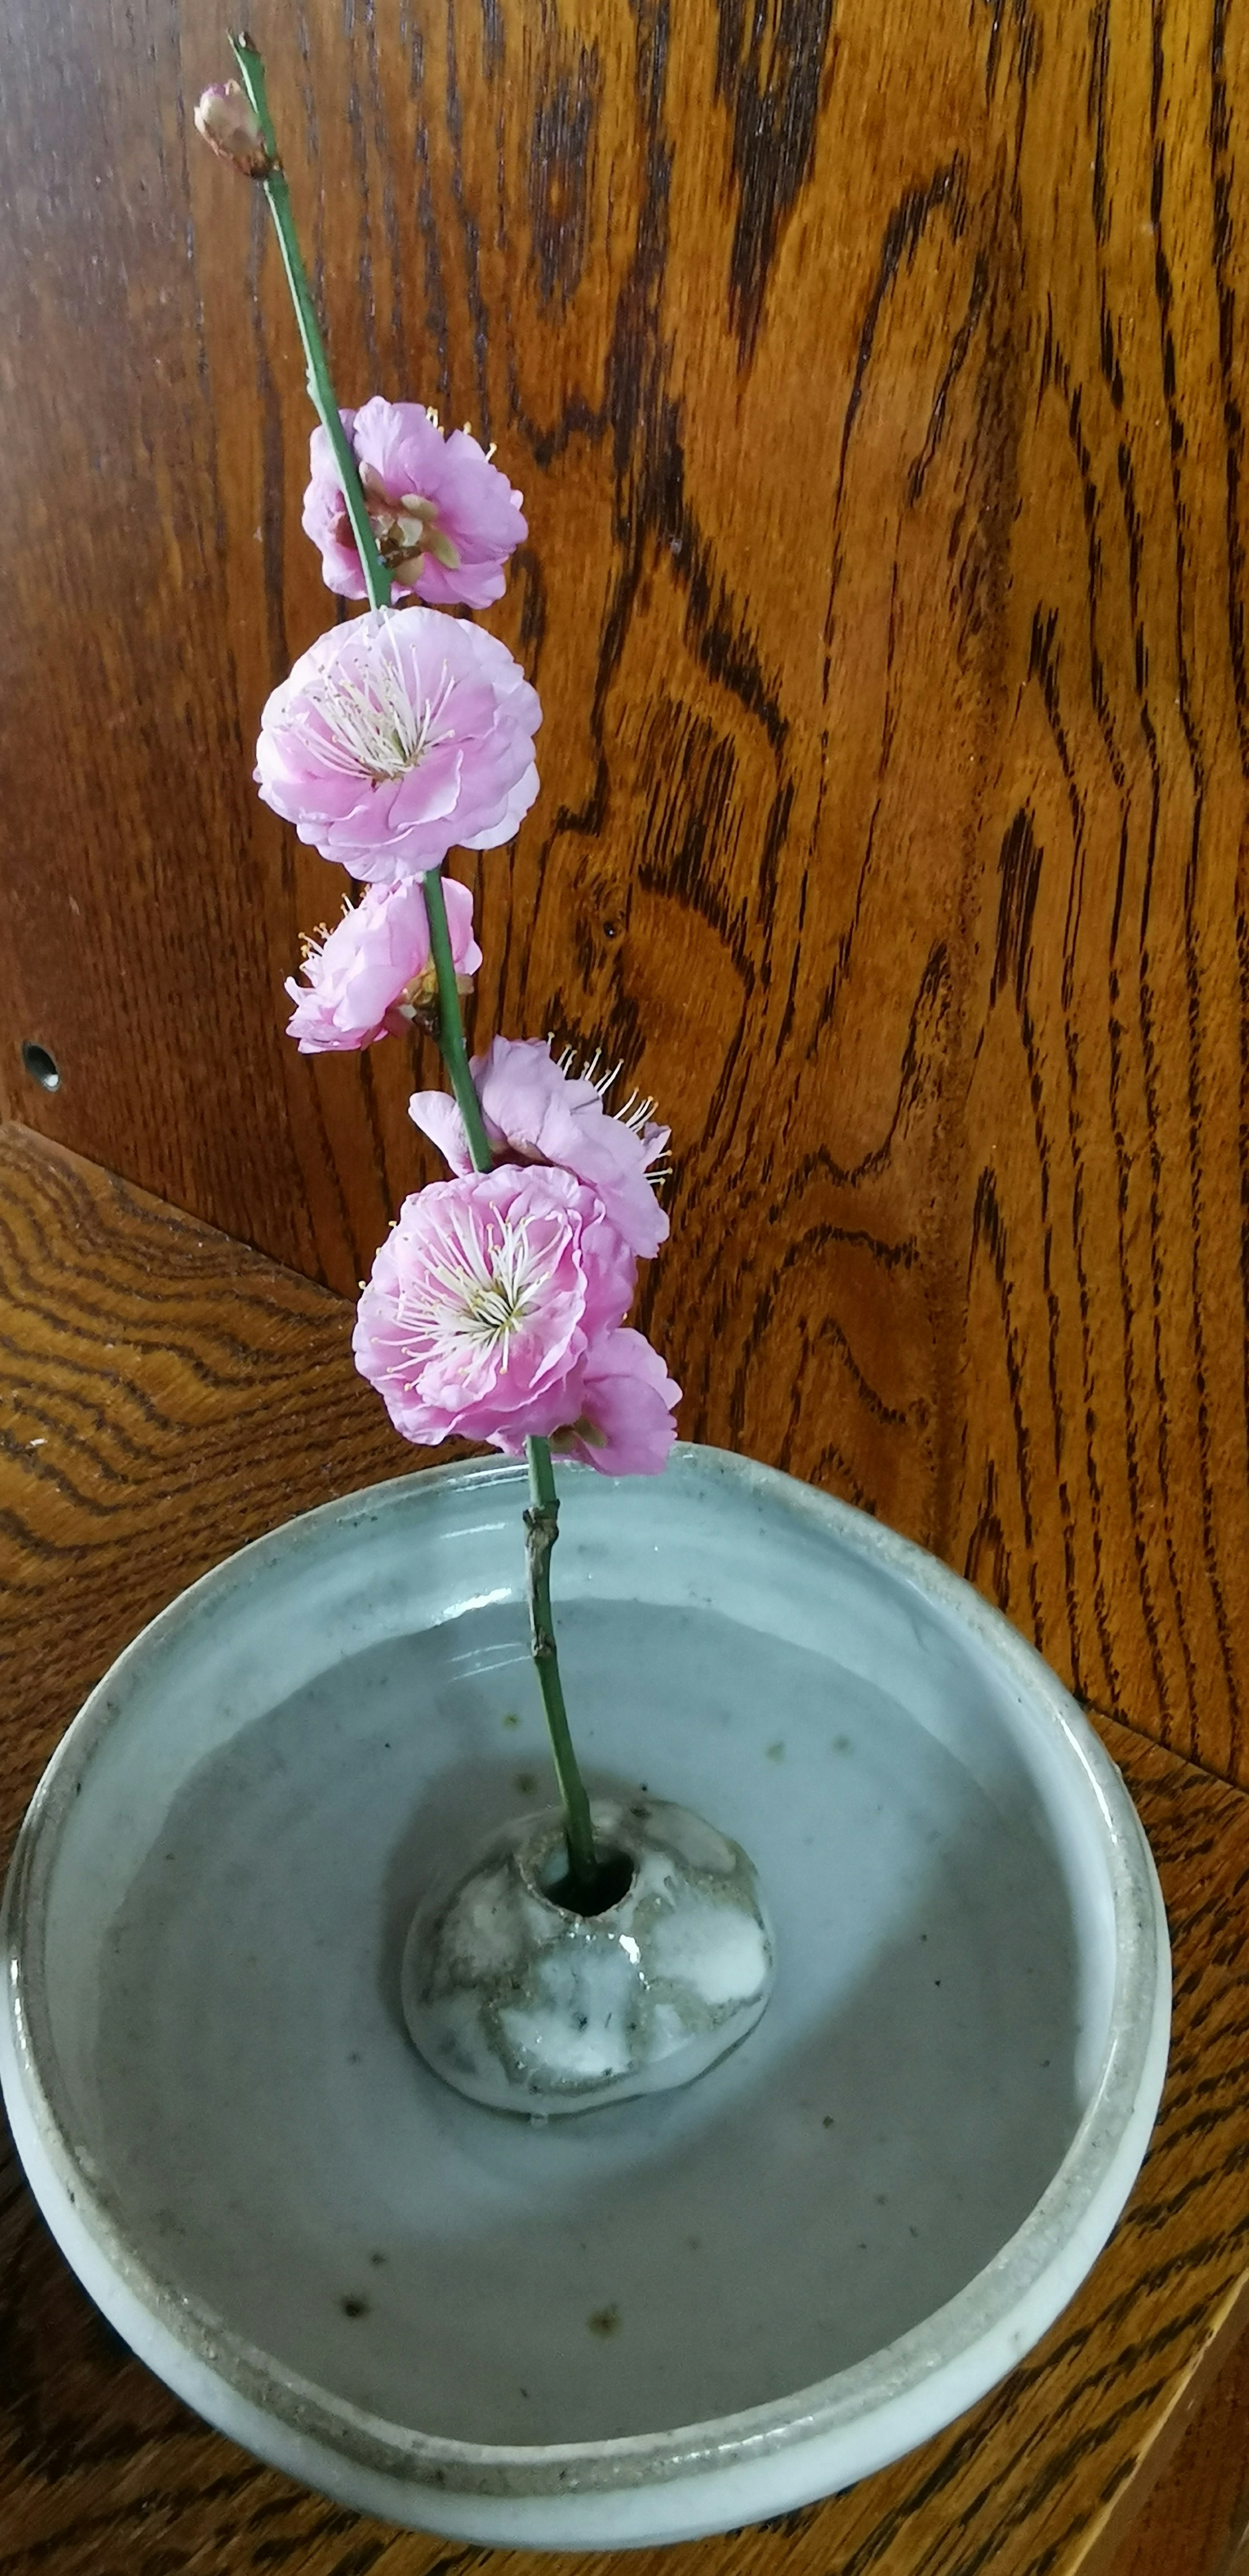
x: 42, y: 1066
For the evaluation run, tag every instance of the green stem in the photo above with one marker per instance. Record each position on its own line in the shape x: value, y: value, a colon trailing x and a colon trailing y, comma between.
x: 541, y: 1532
x: 451, y: 1024
x: 542, y: 1519
x: 320, y: 386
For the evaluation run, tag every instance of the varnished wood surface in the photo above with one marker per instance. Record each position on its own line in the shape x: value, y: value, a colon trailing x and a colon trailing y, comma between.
x: 876, y: 381
x: 1196, y: 2521
x: 168, y: 1395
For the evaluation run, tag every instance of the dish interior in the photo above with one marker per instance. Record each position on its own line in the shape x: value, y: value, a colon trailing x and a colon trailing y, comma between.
x: 224, y: 1922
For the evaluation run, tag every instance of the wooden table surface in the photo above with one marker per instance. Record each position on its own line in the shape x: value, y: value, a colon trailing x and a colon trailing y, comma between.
x: 169, y: 1394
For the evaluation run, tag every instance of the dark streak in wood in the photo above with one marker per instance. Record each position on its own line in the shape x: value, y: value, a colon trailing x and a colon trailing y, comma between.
x: 768, y: 72
x: 561, y: 155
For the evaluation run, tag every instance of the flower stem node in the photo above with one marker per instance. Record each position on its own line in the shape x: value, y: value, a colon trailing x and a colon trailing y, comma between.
x: 526, y: 2004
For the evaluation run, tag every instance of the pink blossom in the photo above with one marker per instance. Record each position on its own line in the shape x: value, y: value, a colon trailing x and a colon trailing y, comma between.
x: 624, y: 1397
x: 368, y: 974
x: 484, y: 1301
x: 536, y: 1111
x: 397, y: 737
x: 444, y: 517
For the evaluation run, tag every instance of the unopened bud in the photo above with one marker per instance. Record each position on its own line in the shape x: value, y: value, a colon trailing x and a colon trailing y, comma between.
x: 228, y: 121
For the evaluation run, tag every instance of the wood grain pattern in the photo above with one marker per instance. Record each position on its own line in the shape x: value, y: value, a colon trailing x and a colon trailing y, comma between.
x: 1197, y: 2518
x: 876, y: 382
x: 171, y: 1394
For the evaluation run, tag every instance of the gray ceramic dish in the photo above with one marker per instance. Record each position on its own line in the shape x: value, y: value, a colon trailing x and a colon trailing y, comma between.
x: 684, y: 2312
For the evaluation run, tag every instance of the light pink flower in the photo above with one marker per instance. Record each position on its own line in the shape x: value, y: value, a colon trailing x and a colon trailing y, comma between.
x: 444, y: 517
x: 485, y: 1299
x: 624, y: 1396
x: 398, y: 737
x: 367, y: 976
x: 538, y: 1112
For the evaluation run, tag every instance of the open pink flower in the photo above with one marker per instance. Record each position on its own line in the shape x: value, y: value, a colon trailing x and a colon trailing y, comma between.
x: 398, y: 737
x: 367, y: 976
x: 444, y: 517
x: 536, y: 1111
x: 485, y: 1299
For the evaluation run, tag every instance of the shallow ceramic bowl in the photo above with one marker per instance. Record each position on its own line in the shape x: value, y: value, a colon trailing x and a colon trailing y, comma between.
x: 671, y: 2316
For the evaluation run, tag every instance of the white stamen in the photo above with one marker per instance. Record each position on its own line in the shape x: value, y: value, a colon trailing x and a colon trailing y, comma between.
x: 380, y: 728
x: 636, y: 1113
x: 475, y: 1292
x: 587, y: 1070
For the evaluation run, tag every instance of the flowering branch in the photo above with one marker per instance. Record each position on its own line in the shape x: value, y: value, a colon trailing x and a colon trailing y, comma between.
x: 542, y: 1518
x: 384, y: 736
x: 376, y: 577
x: 320, y: 388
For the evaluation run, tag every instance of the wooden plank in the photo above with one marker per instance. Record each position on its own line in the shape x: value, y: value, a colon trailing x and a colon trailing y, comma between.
x: 877, y: 385
x: 1194, y: 2522
x: 168, y: 1395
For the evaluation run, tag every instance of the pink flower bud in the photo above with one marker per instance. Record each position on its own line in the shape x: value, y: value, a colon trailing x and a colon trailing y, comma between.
x: 228, y: 122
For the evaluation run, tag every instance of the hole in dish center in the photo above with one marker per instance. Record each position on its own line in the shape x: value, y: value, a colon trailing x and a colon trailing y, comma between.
x: 613, y: 1880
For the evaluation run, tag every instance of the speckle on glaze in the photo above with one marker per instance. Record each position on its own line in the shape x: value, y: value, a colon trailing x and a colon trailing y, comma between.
x: 526, y: 2006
